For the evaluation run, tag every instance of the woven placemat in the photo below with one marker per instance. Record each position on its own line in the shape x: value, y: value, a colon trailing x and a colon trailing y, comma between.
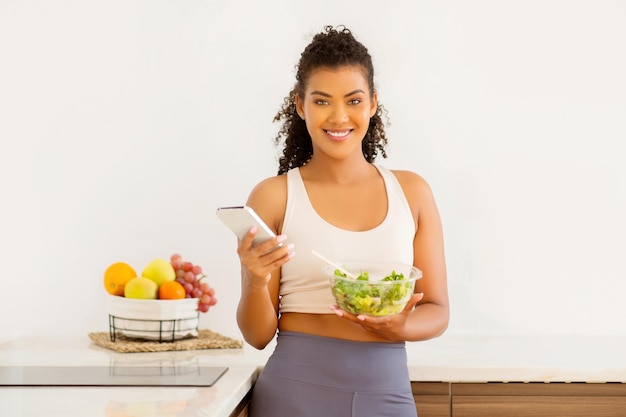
x: 206, y: 340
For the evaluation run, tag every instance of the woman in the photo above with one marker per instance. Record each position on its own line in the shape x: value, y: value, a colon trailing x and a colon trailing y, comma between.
x: 329, y: 196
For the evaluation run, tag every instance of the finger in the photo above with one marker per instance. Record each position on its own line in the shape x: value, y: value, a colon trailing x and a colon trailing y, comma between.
x: 271, y: 245
x: 361, y: 319
x: 337, y: 310
x: 246, y: 241
x: 274, y: 254
x: 278, y: 257
x: 415, y: 298
x: 343, y: 313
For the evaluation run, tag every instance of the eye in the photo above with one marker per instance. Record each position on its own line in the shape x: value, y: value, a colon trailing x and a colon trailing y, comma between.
x: 321, y: 102
x: 354, y: 101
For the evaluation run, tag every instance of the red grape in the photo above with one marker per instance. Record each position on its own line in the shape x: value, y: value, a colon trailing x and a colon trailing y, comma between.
x: 190, y: 276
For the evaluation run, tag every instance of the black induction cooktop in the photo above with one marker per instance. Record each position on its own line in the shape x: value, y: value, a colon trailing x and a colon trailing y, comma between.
x: 135, y: 376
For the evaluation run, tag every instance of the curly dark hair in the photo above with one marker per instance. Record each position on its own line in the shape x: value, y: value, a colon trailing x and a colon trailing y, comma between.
x: 332, y: 48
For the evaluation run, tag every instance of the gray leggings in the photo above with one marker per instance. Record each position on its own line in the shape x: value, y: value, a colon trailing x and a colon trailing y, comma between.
x: 313, y: 376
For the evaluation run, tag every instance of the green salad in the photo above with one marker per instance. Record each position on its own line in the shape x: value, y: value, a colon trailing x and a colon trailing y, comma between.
x: 361, y: 296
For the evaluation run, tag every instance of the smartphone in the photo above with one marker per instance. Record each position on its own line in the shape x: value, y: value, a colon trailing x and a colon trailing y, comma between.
x: 241, y: 218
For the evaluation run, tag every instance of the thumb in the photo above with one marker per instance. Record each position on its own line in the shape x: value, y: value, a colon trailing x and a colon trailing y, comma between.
x: 415, y: 298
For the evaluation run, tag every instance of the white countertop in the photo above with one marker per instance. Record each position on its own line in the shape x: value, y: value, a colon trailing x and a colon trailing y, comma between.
x: 216, y: 401
x: 519, y: 358
x: 450, y: 358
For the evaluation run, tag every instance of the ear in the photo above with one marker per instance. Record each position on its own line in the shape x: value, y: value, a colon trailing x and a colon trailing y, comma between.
x: 374, y: 104
x: 299, y: 107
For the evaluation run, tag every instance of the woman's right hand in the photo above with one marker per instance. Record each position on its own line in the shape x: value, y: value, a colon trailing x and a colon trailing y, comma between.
x: 258, y: 262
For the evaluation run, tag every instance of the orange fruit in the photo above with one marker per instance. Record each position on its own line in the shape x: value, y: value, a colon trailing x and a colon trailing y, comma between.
x: 116, y: 276
x: 171, y: 290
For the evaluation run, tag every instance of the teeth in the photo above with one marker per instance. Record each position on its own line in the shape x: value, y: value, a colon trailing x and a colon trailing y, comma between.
x: 338, y: 134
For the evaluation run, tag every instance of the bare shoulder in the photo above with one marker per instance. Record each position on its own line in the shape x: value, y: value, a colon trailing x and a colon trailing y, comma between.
x: 421, y: 200
x: 271, y: 185
x: 415, y: 187
x: 269, y: 199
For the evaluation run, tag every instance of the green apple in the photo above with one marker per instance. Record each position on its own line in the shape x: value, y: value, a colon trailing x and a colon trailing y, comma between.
x: 160, y: 271
x: 142, y: 288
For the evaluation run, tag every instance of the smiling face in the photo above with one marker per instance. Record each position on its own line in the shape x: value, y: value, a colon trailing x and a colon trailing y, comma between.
x: 337, y: 106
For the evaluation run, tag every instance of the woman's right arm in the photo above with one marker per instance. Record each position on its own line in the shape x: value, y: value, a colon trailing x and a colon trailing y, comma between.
x: 257, y: 313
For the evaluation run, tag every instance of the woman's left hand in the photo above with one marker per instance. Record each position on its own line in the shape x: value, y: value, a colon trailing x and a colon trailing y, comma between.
x: 387, y: 327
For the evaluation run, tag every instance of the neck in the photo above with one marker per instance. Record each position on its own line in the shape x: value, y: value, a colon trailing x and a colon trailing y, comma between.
x: 345, y: 171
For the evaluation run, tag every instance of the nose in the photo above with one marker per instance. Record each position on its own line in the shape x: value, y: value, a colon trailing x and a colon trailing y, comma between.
x: 338, y: 114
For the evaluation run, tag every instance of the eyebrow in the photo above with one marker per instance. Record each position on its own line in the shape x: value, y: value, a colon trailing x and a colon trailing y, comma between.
x: 321, y: 93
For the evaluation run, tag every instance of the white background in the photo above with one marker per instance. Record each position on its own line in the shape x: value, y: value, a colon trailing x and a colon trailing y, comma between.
x: 125, y: 124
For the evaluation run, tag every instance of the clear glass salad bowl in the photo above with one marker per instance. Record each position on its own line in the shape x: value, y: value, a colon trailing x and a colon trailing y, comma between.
x: 380, y: 289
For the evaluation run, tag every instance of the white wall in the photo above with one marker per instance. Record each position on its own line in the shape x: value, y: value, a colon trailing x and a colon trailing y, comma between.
x: 124, y: 124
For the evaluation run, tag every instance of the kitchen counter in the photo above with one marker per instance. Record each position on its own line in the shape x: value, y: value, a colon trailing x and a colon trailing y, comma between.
x: 519, y: 358
x: 450, y: 358
x: 218, y: 400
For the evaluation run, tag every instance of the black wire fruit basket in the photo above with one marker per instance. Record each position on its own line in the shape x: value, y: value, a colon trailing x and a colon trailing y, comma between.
x: 153, y: 320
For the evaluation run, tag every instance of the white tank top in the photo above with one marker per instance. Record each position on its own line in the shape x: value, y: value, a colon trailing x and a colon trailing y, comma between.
x: 304, y: 287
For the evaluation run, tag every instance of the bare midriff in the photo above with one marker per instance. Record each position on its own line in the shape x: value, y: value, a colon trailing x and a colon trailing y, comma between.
x: 328, y: 325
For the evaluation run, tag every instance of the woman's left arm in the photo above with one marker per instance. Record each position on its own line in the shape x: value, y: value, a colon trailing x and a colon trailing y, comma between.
x: 432, y: 312
x: 427, y: 313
